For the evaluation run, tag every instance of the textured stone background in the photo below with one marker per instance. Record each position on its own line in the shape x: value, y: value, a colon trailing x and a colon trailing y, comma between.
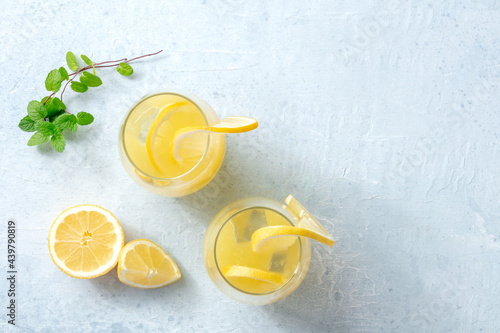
x: 381, y: 117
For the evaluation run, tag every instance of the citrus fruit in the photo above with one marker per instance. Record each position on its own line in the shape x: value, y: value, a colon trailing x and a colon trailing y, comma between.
x: 225, y: 126
x: 239, y: 272
x: 280, y: 236
x: 85, y: 241
x: 144, y: 264
x: 157, y: 140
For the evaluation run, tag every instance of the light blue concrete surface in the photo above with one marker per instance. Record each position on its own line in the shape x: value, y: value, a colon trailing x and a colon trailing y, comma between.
x: 381, y: 117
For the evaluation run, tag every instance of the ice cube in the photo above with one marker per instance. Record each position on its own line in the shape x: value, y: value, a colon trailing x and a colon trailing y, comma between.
x: 278, y: 261
x: 257, y: 220
x: 245, y: 223
x: 145, y: 121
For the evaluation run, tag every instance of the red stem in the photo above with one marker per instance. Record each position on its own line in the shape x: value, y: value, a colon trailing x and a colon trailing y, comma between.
x: 147, y: 55
x: 98, y: 65
x: 49, y: 97
x: 105, y: 62
x: 81, y: 70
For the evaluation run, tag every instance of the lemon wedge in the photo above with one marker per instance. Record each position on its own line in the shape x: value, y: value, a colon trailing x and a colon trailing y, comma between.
x: 238, y: 272
x: 225, y: 126
x: 85, y: 241
x: 143, y: 264
x: 279, y: 237
x: 307, y: 220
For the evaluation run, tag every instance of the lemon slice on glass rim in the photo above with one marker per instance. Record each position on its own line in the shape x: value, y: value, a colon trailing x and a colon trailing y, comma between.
x: 227, y: 125
x: 279, y: 237
x: 158, y: 143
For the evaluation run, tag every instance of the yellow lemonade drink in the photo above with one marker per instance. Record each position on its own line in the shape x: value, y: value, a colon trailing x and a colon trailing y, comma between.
x: 233, y: 251
x: 250, y: 275
x: 146, y: 139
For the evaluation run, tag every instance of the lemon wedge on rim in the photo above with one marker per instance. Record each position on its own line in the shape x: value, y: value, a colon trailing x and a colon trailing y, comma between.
x: 225, y: 126
x: 255, y: 274
x: 144, y: 264
x: 277, y: 237
x: 85, y: 241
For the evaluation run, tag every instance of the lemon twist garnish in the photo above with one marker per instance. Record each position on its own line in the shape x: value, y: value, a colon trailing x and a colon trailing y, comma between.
x: 262, y: 235
x: 225, y: 126
x: 162, y: 117
x: 277, y: 238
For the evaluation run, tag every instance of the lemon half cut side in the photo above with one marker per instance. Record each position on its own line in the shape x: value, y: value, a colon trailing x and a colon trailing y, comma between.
x: 85, y: 241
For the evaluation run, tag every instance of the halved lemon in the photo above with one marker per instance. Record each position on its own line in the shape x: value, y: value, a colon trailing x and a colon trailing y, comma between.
x: 85, y: 241
x: 143, y: 264
x: 239, y: 272
x: 278, y: 237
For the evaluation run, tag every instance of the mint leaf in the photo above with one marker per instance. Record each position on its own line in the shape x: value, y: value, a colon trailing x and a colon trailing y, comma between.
x: 58, y: 142
x: 57, y: 114
x: 64, y: 121
x: 45, y: 127
x: 64, y: 73
x: 53, y: 101
x: 37, y: 139
x: 36, y: 110
x: 71, y: 61
x: 124, y: 69
x: 79, y: 87
x: 53, y: 81
x: 53, y: 106
x: 84, y: 118
x: 86, y: 59
x: 90, y: 80
x: 74, y: 127
x: 27, y: 124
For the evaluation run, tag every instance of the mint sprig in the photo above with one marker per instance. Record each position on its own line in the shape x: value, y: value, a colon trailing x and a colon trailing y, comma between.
x: 49, y: 118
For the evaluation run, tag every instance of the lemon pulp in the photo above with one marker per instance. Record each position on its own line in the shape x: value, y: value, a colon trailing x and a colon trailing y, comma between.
x: 144, y: 264
x: 85, y: 241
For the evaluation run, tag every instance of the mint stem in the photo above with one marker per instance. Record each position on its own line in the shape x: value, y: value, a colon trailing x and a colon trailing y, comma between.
x: 98, y: 65
x: 147, y: 55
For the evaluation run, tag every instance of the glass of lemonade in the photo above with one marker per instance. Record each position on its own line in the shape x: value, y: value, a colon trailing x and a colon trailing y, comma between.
x: 246, y: 275
x: 146, y: 136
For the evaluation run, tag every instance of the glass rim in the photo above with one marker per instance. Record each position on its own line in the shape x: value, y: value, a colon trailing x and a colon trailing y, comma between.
x: 122, y: 136
x: 219, y: 269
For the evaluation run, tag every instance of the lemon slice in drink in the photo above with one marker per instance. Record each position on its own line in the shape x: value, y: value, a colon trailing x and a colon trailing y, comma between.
x: 243, y: 272
x: 85, y: 241
x: 143, y: 264
x: 278, y: 237
x: 225, y: 126
x: 157, y: 141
